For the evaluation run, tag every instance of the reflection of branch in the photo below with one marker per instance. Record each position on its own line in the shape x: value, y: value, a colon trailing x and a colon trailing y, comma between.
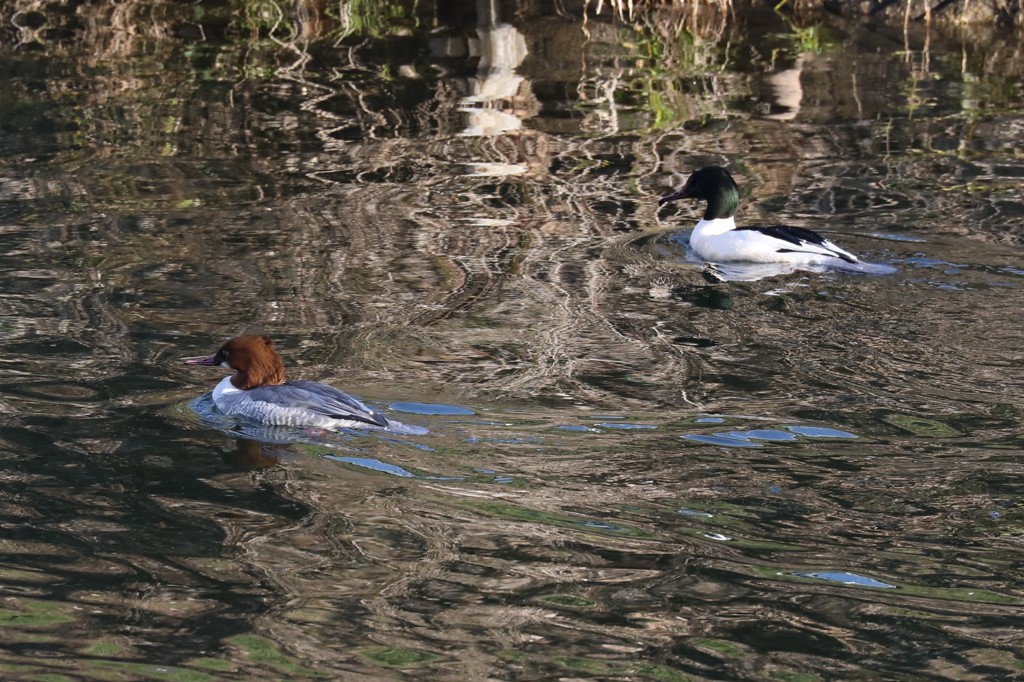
x: 706, y: 18
x: 292, y: 71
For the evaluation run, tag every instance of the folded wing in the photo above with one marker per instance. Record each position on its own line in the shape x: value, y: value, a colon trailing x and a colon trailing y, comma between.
x: 319, y: 398
x: 802, y: 240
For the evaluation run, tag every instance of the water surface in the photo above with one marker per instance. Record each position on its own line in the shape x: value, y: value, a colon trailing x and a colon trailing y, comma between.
x: 631, y: 472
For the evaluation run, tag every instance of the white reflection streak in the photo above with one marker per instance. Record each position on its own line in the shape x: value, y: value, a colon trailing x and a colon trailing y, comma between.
x: 788, y: 91
x: 493, y: 93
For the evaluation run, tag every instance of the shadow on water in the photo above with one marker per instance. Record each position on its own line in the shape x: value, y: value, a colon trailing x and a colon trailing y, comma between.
x: 633, y: 469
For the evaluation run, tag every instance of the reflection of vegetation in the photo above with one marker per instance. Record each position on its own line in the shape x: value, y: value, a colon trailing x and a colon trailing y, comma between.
x: 808, y: 39
x: 263, y: 15
x: 146, y: 671
x: 659, y: 56
x: 214, y: 664
x: 630, y: 10
x: 509, y: 511
x: 263, y: 650
x: 587, y: 665
x: 722, y: 646
x: 921, y: 426
x: 373, y: 18
x: 398, y: 657
x: 287, y: 20
x: 34, y: 614
x: 813, y: 39
x: 290, y: 21
x: 106, y: 648
x: 789, y: 676
x: 658, y: 673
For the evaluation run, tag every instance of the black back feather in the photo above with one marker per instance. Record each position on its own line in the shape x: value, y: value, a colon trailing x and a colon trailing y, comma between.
x: 797, y: 236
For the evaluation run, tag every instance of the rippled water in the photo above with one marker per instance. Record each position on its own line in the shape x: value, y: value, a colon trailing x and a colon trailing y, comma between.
x: 632, y: 471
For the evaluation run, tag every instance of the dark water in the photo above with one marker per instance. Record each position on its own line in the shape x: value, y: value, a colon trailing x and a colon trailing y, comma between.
x: 631, y: 473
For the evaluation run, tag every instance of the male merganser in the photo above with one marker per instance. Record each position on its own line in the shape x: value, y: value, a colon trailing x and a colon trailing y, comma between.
x: 257, y: 390
x: 717, y: 239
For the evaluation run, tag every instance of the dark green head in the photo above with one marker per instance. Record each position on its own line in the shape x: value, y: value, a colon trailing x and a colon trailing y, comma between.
x: 714, y: 185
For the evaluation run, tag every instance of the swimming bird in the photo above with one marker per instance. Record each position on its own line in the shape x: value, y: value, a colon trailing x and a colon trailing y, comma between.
x: 258, y: 391
x: 716, y: 238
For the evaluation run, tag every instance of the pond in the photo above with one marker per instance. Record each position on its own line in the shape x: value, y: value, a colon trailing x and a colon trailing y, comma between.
x: 632, y: 470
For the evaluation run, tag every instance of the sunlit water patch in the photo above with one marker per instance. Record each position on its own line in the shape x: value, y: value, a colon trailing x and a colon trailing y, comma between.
x: 391, y: 469
x: 431, y: 408
x: 847, y: 579
x: 749, y: 439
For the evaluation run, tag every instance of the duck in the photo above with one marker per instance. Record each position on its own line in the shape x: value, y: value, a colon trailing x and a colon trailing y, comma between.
x: 717, y: 239
x: 258, y: 391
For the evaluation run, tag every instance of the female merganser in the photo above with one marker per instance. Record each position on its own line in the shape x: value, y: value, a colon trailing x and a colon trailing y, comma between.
x: 257, y: 390
x: 717, y: 239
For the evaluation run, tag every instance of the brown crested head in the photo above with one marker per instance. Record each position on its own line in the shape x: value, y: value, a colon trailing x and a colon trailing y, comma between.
x: 254, y: 359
